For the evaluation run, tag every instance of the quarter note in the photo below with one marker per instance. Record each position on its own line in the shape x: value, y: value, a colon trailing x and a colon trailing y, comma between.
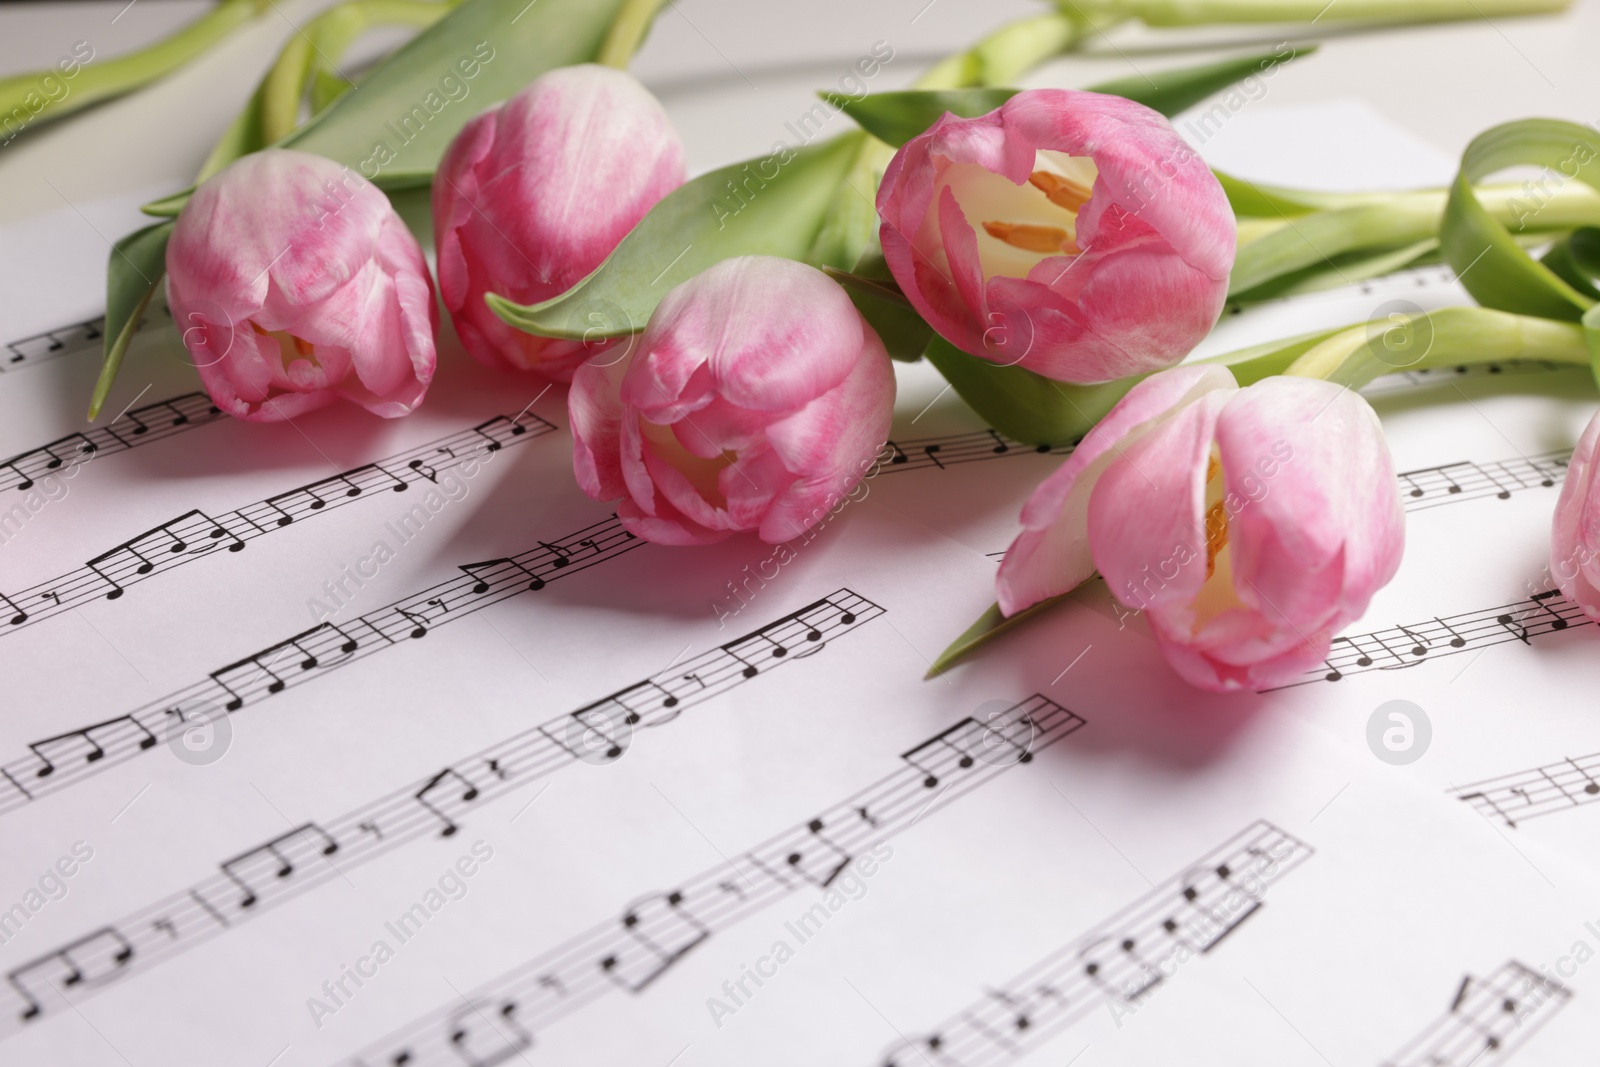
x: 1421, y: 647
x: 18, y: 616
x: 1456, y: 640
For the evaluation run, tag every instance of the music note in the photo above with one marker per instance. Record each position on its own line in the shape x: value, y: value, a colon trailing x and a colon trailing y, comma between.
x: 750, y: 669
x: 664, y: 931
x: 830, y: 867
x: 899, y: 457
x: 419, y: 622
x: 482, y: 583
x: 263, y: 662
x: 424, y: 470
x: 1557, y: 623
x: 562, y: 556
x: 1000, y: 446
x: 1490, y: 801
x: 84, y: 960
x: 925, y: 757
x: 1515, y: 628
x: 84, y: 738
x: 1334, y: 673
x: 1362, y: 659
x: 1456, y: 640
x: 18, y: 616
x: 449, y: 778
x: 1421, y: 647
x: 1416, y: 490
x: 274, y: 855
x: 1590, y: 786
x: 480, y: 1040
x: 515, y: 430
x: 931, y: 451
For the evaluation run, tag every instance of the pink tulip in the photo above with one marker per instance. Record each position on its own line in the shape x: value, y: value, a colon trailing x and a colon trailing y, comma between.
x: 1575, y: 538
x: 1249, y: 524
x: 1074, y: 234
x: 294, y: 283
x: 535, y: 193
x: 756, y: 399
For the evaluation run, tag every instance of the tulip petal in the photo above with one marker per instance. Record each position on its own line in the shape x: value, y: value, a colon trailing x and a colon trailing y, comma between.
x: 1052, y: 554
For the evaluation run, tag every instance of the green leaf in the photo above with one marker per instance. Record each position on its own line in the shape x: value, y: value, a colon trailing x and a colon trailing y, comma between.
x: 394, y: 127
x: 990, y: 625
x: 1173, y: 91
x: 1576, y: 260
x: 1023, y: 404
x: 133, y: 275
x: 895, y: 118
x: 904, y: 333
x: 1591, y: 335
x: 1040, y: 411
x: 760, y: 207
x: 1492, y: 266
x: 1344, y: 269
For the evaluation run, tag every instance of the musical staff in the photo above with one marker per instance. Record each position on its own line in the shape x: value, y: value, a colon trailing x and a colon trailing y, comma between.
x: 195, y: 534
x: 73, y: 756
x: 1516, y: 798
x: 632, y: 951
x: 293, y: 863
x: 1120, y: 960
x: 1430, y: 487
x: 1488, y: 1019
x: 953, y: 450
x: 1400, y: 647
x: 53, y: 344
x: 138, y: 426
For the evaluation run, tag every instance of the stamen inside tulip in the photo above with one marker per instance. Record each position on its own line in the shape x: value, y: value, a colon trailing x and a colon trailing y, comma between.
x: 1061, y: 191
x: 1217, y: 595
x: 291, y: 349
x: 1018, y: 226
x: 1032, y: 238
x: 701, y: 473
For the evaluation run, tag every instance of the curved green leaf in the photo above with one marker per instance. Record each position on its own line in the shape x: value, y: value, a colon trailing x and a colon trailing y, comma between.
x: 394, y: 127
x: 1576, y: 260
x: 895, y: 118
x: 768, y: 206
x: 133, y: 274
x: 1492, y: 266
x: 1041, y: 411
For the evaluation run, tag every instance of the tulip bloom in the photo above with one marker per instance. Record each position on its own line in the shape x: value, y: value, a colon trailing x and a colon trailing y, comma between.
x: 294, y: 283
x: 1072, y: 233
x: 755, y: 400
x: 534, y: 194
x: 1575, y: 537
x: 1250, y: 524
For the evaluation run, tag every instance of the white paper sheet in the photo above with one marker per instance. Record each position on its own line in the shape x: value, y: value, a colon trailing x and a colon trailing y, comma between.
x: 513, y: 788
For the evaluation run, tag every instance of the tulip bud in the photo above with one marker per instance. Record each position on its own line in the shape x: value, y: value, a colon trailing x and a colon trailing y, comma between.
x: 1575, y: 535
x: 1251, y: 525
x: 755, y: 400
x: 1071, y: 233
x: 293, y: 283
x: 533, y: 194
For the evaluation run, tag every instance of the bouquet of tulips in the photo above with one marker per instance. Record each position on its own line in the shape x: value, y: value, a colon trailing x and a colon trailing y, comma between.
x: 729, y: 340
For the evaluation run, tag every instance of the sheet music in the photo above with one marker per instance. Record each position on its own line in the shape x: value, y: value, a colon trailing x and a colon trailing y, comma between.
x: 521, y: 788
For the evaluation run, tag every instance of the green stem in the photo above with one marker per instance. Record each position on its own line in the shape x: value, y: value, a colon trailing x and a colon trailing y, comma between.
x: 1450, y: 337
x: 100, y: 81
x: 1390, y: 220
x: 1202, y: 12
x: 311, y: 56
x: 628, y: 32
